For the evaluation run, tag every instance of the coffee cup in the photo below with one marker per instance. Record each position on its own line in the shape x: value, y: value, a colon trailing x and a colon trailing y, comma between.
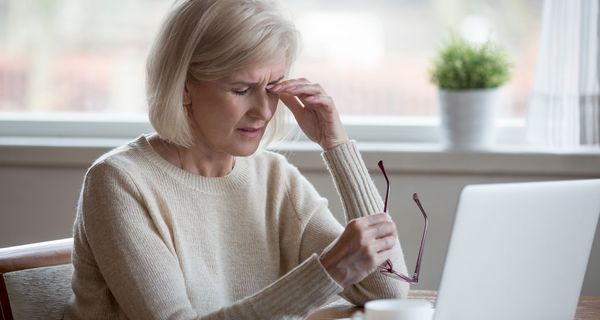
x: 399, y: 309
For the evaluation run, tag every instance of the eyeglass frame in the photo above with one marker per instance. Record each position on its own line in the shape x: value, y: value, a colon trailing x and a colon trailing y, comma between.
x: 387, y: 268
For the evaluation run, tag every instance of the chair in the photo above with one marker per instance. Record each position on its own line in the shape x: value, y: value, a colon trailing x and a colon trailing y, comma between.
x: 35, y: 280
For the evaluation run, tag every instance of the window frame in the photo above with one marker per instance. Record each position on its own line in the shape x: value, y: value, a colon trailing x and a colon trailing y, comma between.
x: 363, y: 129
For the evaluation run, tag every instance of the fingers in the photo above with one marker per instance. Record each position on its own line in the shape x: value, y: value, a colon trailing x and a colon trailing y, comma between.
x: 313, y: 109
x: 304, y: 89
x: 307, y: 92
x: 296, y: 85
x: 318, y: 100
x: 373, y: 219
x: 363, y: 246
x: 377, y: 231
x: 292, y: 103
x: 382, y: 245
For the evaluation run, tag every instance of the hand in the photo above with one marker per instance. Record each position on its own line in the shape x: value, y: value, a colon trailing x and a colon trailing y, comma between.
x: 364, y: 245
x: 314, y: 111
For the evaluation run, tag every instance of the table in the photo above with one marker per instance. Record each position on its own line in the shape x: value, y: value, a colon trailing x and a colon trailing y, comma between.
x: 587, y: 309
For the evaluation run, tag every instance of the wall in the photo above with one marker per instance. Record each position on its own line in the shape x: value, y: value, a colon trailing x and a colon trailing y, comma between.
x: 39, y: 186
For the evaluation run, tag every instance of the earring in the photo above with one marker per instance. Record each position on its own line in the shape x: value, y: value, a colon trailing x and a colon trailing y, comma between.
x: 188, y: 109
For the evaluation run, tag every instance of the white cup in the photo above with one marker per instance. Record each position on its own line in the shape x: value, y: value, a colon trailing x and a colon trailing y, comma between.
x: 399, y: 309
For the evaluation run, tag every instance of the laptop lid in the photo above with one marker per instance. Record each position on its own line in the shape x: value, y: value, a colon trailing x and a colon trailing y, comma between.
x: 519, y: 251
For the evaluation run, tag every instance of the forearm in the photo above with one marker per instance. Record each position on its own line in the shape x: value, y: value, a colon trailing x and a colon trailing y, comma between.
x: 300, y: 291
x: 293, y: 295
x: 361, y: 198
x: 352, y: 181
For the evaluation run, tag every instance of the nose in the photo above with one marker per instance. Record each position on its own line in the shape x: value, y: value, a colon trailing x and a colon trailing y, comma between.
x: 264, y: 105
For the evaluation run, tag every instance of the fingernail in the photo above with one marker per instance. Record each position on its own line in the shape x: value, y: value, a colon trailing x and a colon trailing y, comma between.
x: 275, y: 87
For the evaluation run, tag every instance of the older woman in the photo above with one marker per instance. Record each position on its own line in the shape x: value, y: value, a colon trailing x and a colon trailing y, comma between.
x: 192, y: 221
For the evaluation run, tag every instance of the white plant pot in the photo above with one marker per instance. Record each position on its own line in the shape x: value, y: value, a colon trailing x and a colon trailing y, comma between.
x: 468, y: 118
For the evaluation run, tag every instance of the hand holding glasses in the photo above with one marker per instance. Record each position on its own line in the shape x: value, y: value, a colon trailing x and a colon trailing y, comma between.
x: 387, y: 268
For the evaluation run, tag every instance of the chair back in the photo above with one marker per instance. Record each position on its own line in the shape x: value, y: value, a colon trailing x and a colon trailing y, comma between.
x: 35, y: 280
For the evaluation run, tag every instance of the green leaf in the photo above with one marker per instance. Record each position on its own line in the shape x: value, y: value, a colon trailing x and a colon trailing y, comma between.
x: 461, y: 65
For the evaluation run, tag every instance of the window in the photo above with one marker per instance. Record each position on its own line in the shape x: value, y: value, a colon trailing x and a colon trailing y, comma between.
x: 87, y: 57
x: 374, y: 57
x: 75, y: 55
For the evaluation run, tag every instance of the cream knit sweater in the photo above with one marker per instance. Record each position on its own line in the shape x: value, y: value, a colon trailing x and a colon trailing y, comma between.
x: 155, y: 242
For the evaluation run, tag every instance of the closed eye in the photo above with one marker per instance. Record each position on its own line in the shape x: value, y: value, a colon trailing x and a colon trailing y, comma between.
x: 249, y: 85
x: 241, y: 92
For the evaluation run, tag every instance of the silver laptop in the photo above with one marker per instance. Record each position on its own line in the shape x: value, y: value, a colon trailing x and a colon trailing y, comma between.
x: 519, y: 251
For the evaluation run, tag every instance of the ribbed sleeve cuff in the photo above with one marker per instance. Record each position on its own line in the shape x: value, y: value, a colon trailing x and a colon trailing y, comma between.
x: 352, y: 180
x: 305, y: 288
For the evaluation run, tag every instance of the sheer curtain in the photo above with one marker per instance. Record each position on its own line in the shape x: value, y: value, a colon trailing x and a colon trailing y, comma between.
x: 564, y: 110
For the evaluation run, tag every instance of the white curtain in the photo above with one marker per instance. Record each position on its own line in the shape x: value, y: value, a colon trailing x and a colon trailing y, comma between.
x: 564, y: 110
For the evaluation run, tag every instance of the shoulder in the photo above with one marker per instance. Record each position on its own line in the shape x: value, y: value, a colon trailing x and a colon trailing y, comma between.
x: 273, y: 165
x: 122, y: 159
x: 283, y: 181
x: 273, y: 172
x: 122, y: 154
x: 109, y: 190
x: 298, y: 189
x: 116, y: 168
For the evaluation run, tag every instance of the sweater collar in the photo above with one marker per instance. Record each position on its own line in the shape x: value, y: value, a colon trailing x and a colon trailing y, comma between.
x: 215, y: 185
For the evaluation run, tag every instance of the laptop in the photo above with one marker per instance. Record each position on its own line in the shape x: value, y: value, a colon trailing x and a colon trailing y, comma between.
x: 519, y: 251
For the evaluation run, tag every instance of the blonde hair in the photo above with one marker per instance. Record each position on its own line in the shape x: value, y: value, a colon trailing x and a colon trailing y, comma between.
x: 209, y: 40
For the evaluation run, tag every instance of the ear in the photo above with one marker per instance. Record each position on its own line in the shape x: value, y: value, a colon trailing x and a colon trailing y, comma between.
x: 187, y: 98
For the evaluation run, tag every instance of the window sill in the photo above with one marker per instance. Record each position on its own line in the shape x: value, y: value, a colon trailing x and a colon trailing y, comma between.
x: 427, y: 158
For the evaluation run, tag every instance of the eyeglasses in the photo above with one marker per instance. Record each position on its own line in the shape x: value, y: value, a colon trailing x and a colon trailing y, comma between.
x: 387, y: 268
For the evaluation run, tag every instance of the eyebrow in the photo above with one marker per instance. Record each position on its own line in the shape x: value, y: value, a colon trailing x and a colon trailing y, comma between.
x: 253, y: 84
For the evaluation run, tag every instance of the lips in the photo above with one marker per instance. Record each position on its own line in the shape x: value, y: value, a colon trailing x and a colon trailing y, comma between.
x: 249, y: 132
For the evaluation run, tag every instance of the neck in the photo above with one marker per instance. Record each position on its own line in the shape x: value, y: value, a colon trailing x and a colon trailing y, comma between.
x: 205, y: 164
x: 196, y: 159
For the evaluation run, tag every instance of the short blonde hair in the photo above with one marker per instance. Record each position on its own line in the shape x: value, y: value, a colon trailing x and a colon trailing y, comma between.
x: 209, y: 40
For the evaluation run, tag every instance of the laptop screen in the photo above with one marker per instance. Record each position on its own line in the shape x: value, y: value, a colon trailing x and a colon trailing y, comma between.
x: 519, y: 251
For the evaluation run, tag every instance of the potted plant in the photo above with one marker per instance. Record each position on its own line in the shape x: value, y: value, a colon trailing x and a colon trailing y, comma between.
x: 468, y: 76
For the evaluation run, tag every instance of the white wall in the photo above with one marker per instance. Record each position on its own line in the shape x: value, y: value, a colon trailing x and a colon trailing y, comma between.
x: 39, y: 187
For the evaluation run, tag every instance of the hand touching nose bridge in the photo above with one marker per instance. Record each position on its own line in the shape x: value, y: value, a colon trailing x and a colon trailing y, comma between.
x: 313, y: 109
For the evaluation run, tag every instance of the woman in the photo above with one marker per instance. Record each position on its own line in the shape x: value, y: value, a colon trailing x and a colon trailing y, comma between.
x: 192, y: 222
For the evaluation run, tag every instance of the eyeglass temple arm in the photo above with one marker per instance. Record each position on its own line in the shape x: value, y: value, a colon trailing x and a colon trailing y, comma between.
x: 387, y: 190
x: 415, y: 277
x: 420, y: 256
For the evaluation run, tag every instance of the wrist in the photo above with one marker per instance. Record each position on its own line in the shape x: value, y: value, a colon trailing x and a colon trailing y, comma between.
x: 332, y: 269
x: 334, y: 143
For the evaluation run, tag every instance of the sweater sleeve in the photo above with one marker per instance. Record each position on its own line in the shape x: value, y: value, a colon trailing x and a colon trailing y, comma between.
x: 142, y: 274
x: 359, y: 198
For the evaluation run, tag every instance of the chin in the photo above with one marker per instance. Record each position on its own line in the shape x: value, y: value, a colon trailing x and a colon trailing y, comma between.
x: 245, y: 150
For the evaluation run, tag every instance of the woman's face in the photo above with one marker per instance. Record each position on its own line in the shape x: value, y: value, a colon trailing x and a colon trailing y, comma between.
x: 229, y: 116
